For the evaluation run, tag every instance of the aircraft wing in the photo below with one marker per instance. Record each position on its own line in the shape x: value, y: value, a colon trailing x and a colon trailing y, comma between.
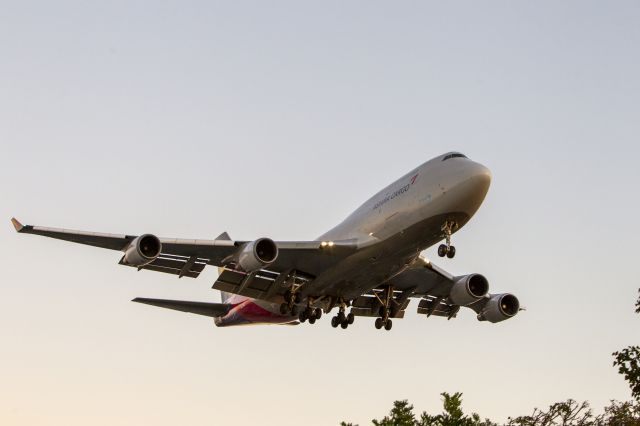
x: 432, y: 285
x: 188, y: 257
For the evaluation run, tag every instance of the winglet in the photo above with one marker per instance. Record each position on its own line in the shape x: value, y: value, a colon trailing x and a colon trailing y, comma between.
x: 16, y: 224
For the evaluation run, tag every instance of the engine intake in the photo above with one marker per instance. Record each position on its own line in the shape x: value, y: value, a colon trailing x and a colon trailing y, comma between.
x: 143, y: 250
x: 257, y: 254
x: 499, y: 308
x: 469, y: 289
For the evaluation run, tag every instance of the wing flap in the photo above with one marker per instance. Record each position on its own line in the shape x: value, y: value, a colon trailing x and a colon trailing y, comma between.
x: 368, y: 305
x: 198, y: 308
x: 178, y: 265
x: 263, y: 284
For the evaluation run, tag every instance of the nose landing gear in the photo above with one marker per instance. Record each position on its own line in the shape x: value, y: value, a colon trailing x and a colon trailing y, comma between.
x: 387, y: 310
x: 448, y: 228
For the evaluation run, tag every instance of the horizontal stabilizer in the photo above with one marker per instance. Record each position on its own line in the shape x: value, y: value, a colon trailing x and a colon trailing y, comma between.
x: 199, y: 308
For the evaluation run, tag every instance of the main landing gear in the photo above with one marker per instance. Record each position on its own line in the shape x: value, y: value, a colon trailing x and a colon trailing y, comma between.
x: 311, y: 314
x: 447, y: 249
x: 341, y: 319
x: 386, y: 310
x: 289, y: 306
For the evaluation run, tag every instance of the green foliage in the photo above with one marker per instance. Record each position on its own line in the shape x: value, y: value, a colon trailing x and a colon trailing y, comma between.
x: 453, y: 414
x: 401, y: 415
x: 628, y: 362
x: 568, y: 413
x: 621, y: 414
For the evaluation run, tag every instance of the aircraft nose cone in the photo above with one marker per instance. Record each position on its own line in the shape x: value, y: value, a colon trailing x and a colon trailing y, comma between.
x: 471, y: 188
x: 482, y: 176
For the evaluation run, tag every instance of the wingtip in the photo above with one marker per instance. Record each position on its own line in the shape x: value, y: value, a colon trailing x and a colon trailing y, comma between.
x: 16, y: 224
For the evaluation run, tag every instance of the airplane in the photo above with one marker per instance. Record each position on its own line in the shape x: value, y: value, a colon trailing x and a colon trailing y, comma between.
x: 370, y: 263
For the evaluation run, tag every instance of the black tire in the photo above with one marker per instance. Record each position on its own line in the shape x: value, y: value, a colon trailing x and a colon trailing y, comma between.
x: 284, y: 309
x: 334, y: 322
x: 350, y: 318
x: 341, y: 317
x: 318, y: 313
x: 303, y: 316
x: 388, y: 325
x: 294, y: 310
x: 442, y: 250
x: 344, y: 325
x: 312, y: 320
x: 451, y: 252
x: 378, y: 323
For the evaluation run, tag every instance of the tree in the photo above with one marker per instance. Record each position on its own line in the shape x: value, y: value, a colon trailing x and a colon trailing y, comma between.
x: 568, y: 413
x: 400, y: 415
x: 453, y: 414
x: 621, y: 414
x: 628, y: 362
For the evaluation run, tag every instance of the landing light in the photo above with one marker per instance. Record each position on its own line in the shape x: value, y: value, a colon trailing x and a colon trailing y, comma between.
x: 327, y: 244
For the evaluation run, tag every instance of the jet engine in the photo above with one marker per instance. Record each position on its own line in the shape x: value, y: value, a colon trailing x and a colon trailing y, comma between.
x: 257, y: 254
x: 468, y: 289
x: 499, y: 308
x: 142, y: 250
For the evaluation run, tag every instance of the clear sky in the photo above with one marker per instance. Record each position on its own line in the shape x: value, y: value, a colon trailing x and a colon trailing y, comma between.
x: 186, y: 119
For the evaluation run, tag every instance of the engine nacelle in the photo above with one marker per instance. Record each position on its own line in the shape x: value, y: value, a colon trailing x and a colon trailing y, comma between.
x: 499, y: 308
x: 469, y: 289
x: 257, y: 254
x: 142, y: 250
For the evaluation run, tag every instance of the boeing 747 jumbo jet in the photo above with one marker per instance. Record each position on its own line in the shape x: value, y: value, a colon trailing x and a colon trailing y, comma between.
x: 369, y: 264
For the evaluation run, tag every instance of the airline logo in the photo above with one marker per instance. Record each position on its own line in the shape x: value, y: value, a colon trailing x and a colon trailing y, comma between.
x: 396, y: 193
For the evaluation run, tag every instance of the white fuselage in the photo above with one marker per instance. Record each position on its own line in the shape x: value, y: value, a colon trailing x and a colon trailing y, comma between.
x: 392, y: 228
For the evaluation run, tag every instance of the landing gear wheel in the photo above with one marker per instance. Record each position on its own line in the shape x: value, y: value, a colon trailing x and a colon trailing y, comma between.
x: 350, y: 318
x: 378, y: 323
x: 294, y: 310
x: 344, y: 325
x: 451, y: 252
x: 442, y: 250
x: 341, y: 317
x: 334, y: 322
x: 284, y: 309
x: 318, y: 313
x: 312, y: 320
x: 388, y: 324
x: 303, y: 316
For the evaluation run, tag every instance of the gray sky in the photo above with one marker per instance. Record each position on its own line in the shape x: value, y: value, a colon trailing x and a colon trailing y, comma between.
x: 277, y: 119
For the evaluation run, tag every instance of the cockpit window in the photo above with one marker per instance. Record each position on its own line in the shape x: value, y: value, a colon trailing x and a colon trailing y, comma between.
x: 453, y: 155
